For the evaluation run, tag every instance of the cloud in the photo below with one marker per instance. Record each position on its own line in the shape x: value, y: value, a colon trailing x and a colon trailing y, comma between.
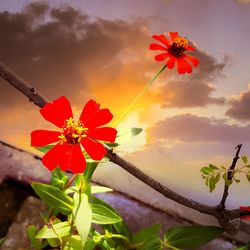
x: 192, y: 128
x: 194, y: 90
x: 188, y: 93
x: 242, y: 1
x: 240, y: 106
x: 60, y: 51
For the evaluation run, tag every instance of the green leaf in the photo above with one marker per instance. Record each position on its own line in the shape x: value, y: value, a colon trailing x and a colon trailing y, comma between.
x: 54, y: 197
x: 103, y: 215
x: 213, y: 167
x: 248, y: 176
x: 151, y: 243
x: 59, y: 179
x: 146, y: 233
x: 217, y: 178
x: 119, y: 227
x: 90, y: 245
x: 127, y: 134
x: 211, y: 183
x: 74, y: 243
x: 191, y: 236
x: 225, y: 176
x: 206, y: 170
x: 207, y: 181
x: 53, y: 242
x: 56, y: 230
x: 82, y: 215
x: 31, y: 232
x: 244, y: 159
x: 44, y: 149
x: 242, y: 248
x: 99, y: 189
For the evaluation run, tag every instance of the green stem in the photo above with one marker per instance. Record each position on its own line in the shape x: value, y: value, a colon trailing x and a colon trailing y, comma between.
x: 132, y: 104
x: 70, y: 182
x: 89, y: 171
x: 119, y: 236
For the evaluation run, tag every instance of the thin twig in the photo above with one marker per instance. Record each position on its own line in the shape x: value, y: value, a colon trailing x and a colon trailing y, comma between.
x: 22, y: 86
x: 230, y: 174
x: 224, y: 216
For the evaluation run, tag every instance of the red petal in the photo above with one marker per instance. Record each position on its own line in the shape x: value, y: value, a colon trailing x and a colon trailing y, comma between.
x: 93, y: 116
x: 103, y: 134
x: 102, y: 117
x: 155, y: 46
x: 183, y: 66
x: 161, y: 38
x: 161, y: 57
x: 189, y: 47
x: 173, y: 35
x: 57, y: 112
x: 53, y: 157
x: 41, y: 138
x: 192, y: 59
x: 243, y: 208
x: 90, y: 108
x: 171, y: 62
x: 95, y: 149
x: 245, y: 217
x: 73, y: 159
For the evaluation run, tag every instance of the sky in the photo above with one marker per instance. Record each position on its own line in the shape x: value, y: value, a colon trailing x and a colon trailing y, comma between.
x: 99, y: 49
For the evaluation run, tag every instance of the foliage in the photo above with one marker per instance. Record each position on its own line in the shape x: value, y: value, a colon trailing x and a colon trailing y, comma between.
x: 212, y: 174
x: 82, y: 211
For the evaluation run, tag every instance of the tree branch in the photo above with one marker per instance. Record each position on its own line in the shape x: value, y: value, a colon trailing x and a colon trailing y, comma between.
x: 22, y: 86
x: 223, y: 216
x: 230, y: 175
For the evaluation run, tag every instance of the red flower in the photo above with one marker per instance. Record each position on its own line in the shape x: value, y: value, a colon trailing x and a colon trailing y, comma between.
x: 67, y: 153
x: 175, y: 52
x: 245, y: 210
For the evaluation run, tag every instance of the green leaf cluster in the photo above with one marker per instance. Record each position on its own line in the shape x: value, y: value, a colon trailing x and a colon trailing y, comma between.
x: 212, y: 175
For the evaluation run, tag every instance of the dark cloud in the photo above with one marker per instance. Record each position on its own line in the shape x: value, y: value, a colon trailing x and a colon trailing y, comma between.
x: 60, y: 51
x: 240, y: 106
x: 192, y: 128
x: 194, y: 90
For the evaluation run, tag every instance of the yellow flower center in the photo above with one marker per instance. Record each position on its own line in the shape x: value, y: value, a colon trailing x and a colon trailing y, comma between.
x: 72, y: 132
x: 178, y: 47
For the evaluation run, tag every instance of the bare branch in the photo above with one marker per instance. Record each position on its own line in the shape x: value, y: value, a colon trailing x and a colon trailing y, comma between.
x: 223, y: 216
x: 230, y: 174
x: 22, y: 86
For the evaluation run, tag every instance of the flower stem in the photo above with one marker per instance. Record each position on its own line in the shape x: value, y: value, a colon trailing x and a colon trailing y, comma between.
x: 132, y: 104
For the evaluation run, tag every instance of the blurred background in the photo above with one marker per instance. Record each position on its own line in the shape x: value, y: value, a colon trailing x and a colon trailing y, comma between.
x: 99, y: 49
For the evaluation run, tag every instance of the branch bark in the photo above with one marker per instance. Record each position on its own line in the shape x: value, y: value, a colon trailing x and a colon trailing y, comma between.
x: 230, y: 175
x: 224, y: 216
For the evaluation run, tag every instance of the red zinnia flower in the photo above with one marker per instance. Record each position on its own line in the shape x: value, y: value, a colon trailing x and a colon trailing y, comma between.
x: 67, y: 153
x: 175, y: 52
x: 247, y: 210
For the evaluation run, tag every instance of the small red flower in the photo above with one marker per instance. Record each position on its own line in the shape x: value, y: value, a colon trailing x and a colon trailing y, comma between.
x: 175, y: 52
x: 245, y: 210
x: 73, y: 136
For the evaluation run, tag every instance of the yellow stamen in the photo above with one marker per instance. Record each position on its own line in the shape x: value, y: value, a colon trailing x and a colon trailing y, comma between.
x: 70, y: 122
x: 181, y: 42
x: 62, y: 137
x: 75, y: 135
x: 72, y: 132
